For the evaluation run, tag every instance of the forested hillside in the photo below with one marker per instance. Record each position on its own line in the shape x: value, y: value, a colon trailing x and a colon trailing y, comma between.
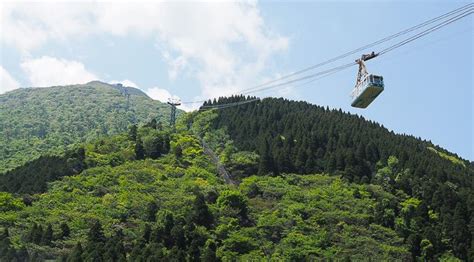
x: 303, y: 138
x: 154, y: 195
x: 34, y: 121
x: 306, y: 184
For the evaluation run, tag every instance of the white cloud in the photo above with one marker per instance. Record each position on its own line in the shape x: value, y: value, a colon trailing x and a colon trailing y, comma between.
x: 189, y: 107
x: 28, y: 25
x: 50, y: 71
x: 226, y: 46
x: 228, y: 43
x: 163, y: 95
x: 125, y: 82
x: 176, y: 65
x: 7, y: 82
x: 159, y: 94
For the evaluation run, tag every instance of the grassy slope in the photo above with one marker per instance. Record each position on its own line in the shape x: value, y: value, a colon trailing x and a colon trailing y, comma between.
x: 451, y: 158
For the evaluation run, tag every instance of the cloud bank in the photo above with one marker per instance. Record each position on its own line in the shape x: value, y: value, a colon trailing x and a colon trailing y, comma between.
x: 50, y: 71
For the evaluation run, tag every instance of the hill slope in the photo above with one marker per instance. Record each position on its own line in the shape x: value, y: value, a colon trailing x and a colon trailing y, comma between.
x: 154, y: 195
x: 310, y: 184
x: 34, y: 121
x: 299, y: 137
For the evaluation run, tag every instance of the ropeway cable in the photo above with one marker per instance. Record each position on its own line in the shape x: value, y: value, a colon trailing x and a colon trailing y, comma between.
x: 427, y: 31
x: 222, y: 106
x: 384, y: 51
x: 328, y: 72
x: 469, y: 7
x: 388, y: 38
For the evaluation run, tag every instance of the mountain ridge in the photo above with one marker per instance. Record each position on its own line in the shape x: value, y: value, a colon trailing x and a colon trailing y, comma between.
x: 41, y: 120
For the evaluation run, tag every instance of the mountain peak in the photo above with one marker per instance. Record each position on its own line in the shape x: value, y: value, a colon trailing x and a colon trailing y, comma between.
x: 120, y: 87
x: 57, y: 116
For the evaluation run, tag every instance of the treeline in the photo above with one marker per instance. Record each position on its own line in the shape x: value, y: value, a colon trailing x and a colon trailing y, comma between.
x: 303, y: 138
x: 46, y: 236
x: 33, y: 177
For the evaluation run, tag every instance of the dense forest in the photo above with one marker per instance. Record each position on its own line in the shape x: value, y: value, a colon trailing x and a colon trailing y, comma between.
x: 305, y: 184
x: 35, y: 121
x: 151, y: 195
x: 33, y: 176
x: 302, y: 138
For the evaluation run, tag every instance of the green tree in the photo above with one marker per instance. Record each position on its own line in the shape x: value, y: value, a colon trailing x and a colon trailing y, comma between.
x: 10, y: 203
x: 147, y: 233
x: 5, y: 244
x: 37, y: 233
x: 209, y: 251
x: 47, y: 235
x: 194, y: 251
x: 95, y: 243
x: 139, y: 150
x: 200, y: 213
x: 177, y: 238
x: 132, y: 132
x: 151, y: 211
x: 93, y: 254
x: 460, y: 233
x: 153, y: 146
x: 152, y: 124
x: 265, y: 164
x: 114, y: 248
x: 96, y: 233
x: 76, y: 254
x: 65, y: 231
x: 233, y: 203
x: 427, y: 250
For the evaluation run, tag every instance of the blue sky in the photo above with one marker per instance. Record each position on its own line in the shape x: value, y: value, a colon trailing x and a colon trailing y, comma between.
x: 200, y: 50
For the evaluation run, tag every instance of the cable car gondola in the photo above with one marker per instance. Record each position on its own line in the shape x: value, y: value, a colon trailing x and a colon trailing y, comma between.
x: 368, y: 86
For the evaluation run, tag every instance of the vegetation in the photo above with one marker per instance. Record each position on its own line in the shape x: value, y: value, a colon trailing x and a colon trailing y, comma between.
x: 453, y: 159
x: 33, y: 176
x: 302, y: 138
x: 173, y: 206
x: 306, y: 184
x: 36, y: 121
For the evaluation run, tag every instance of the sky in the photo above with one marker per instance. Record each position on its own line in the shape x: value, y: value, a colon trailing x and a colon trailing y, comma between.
x: 200, y: 50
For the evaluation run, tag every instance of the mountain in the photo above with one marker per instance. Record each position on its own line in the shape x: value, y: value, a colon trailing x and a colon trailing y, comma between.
x: 34, y: 121
x: 271, y: 179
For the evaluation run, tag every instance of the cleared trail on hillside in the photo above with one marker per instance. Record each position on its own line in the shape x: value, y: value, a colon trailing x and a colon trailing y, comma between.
x: 220, y: 168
